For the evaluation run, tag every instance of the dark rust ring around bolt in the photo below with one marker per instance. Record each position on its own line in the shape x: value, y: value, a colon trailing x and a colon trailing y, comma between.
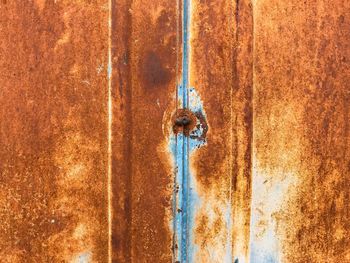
x: 184, y: 121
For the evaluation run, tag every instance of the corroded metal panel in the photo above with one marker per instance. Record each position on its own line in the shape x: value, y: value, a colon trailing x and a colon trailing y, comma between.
x: 221, y: 73
x: 145, y: 56
x: 300, y: 208
x: 174, y: 131
x: 53, y: 108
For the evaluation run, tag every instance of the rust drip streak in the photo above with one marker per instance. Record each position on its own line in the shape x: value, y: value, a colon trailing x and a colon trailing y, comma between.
x: 110, y: 116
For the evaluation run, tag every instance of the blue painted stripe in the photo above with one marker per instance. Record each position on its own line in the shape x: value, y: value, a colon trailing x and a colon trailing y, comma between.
x: 180, y: 150
x: 186, y: 199
x: 185, y: 140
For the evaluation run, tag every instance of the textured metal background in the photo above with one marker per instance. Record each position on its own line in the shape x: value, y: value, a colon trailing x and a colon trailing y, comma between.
x: 53, y: 123
x: 88, y: 93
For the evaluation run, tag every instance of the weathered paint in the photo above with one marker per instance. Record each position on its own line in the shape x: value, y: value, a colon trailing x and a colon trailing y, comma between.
x: 179, y: 144
x: 204, y: 216
x: 185, y: 197
x: 94, y: 170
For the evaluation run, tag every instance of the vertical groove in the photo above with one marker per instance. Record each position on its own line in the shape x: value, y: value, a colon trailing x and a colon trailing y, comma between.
x: 185, y: 151
x: 252, y: 142
x: 242, y: 124
x: 232, y: 135
x: 181, y: 151
x: 110, y: 112
x: 175, y: 243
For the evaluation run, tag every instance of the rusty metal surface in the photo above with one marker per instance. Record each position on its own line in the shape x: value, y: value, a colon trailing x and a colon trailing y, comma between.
x: 145, y: 54
x: 221, y: 72
x: 53, y: 97
x: 174, y: 131
x: 300, y: 210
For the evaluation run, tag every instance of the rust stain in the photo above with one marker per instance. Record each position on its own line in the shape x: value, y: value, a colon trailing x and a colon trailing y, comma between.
x: 272, y: 176
x: 242, y: 130
x: 146, y: 54
x: 153, y: 72
x: 301, y: 127
x: 40, y: 4
x: 221, y: 72
x: 53, y: 131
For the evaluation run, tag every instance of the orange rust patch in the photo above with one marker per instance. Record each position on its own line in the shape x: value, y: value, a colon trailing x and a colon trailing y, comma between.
x: 53, y: 131
x: 221, y: 73
x: 144, y: 82
x: 301, y: 123
x: 40, y: 4
x: 53, y: 123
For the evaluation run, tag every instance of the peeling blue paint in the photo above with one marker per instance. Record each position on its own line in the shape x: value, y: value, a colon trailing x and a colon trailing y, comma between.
x: 186, y: 199
x: 260, y: 256
x: 180, y: 149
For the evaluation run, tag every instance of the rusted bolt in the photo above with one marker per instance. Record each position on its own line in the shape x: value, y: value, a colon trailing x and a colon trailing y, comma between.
x: 183, y: 121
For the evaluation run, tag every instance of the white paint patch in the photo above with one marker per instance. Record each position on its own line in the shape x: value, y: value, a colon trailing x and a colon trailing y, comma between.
x: 84, y: 257
x: 195, y: 101
x: 271, y: 189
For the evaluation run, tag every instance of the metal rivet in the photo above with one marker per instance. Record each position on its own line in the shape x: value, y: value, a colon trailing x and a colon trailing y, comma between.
x: 182, y: 121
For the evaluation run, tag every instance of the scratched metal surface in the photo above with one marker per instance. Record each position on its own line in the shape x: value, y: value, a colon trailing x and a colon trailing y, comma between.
x: 93, y: 168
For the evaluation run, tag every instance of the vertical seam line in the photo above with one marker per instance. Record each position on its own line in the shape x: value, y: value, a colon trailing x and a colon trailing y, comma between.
x: 110, y: 112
